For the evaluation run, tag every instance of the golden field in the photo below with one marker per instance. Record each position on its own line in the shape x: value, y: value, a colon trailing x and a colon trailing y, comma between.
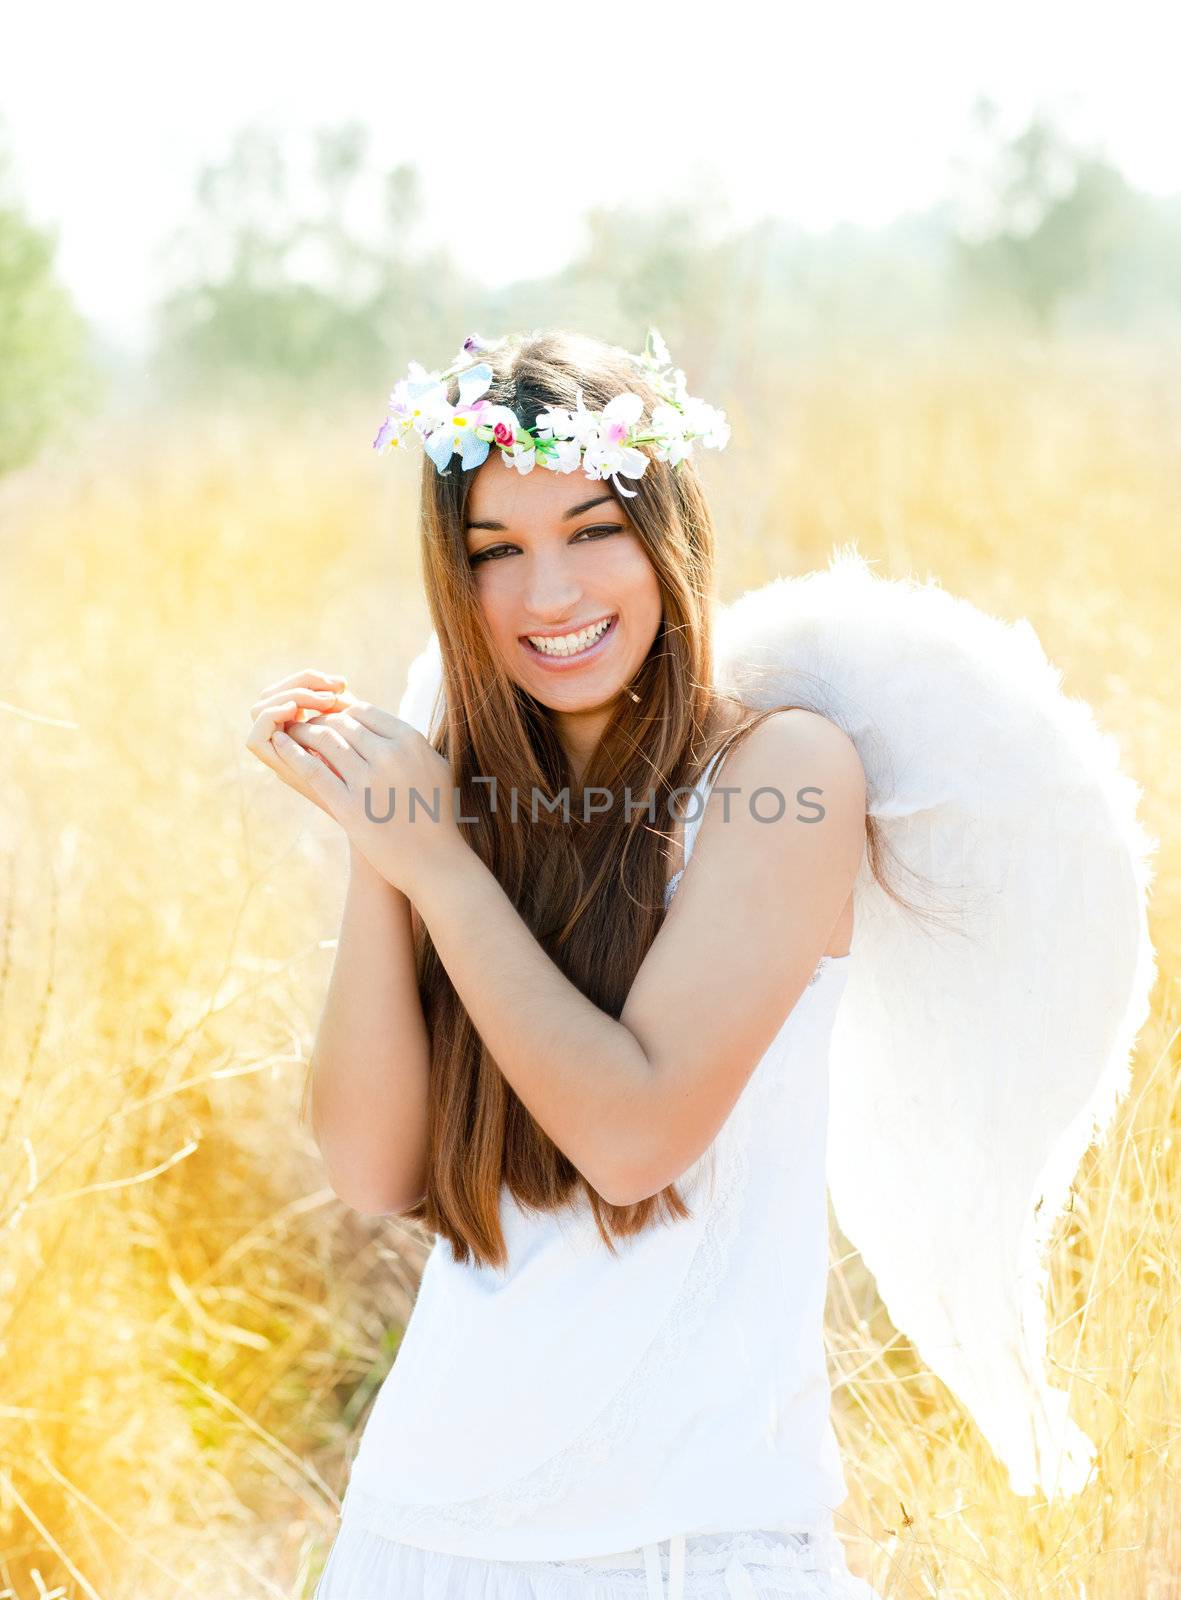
x: 191, y: 1325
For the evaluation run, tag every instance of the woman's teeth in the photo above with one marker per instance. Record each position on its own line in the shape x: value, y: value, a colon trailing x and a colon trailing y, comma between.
x: 569, y: 644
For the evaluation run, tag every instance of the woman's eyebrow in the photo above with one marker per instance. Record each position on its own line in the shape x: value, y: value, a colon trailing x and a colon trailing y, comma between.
x: 574, y: 511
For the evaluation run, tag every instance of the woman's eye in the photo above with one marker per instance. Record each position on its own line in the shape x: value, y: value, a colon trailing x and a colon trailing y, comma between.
x: 496, y: 551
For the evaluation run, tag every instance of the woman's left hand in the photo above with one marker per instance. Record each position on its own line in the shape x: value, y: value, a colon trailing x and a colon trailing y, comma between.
x: 362, y: 763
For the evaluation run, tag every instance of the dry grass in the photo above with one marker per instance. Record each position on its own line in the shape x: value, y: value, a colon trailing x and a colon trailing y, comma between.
x: 191, y: 1326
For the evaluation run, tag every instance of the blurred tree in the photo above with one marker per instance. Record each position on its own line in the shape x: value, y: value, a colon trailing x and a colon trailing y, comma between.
x: 1051, y: 228
x: 297, y: 285
x: 300, y: 280
x: 48, y: 376
x: 634, y: 266
x: 730, y: 300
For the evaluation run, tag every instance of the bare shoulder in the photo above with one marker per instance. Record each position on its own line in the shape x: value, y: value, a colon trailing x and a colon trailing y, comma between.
x: 787, y: 810
x: 772, y: 871
x: 806, y: 752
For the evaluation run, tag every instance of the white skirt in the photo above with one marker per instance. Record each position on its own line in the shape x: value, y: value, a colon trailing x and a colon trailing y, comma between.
x: 366, y: 1565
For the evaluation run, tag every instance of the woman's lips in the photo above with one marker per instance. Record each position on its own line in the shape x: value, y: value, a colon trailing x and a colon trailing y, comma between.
x: 569, y: 663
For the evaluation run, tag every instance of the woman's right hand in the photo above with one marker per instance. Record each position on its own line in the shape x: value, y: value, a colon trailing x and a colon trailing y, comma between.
x: 286, y: 701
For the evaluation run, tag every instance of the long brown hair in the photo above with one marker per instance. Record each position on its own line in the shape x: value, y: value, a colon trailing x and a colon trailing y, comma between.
x: 591, y: 892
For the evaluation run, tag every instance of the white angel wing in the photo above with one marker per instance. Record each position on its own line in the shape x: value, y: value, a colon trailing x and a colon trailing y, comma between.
x: 970, y: 1069
x: 423, y: 695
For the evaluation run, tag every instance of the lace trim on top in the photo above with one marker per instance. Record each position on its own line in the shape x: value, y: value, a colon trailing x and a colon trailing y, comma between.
x: 816, y: 1554
x: 788, y: 1566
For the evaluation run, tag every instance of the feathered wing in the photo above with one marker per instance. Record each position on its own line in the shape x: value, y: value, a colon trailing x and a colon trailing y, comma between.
x: 423, y: 696
x: 972, y: 1064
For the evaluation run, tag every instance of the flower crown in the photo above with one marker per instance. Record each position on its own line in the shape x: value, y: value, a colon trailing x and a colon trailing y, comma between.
x: 606, y: 443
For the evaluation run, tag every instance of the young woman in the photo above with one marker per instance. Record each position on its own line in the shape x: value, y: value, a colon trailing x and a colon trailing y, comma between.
x: 579, y: 1022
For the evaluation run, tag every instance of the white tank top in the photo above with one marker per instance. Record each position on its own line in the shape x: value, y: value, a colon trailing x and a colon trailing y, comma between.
x: 575, y: 1403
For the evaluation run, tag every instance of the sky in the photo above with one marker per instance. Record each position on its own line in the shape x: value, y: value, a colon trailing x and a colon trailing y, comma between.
x: 520, y: 119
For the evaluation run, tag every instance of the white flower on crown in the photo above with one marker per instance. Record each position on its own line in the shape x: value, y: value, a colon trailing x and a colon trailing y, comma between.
x: 708, y: 422
x: 568, y: 433
x: 566, y: 457
x: 523, y: 457
x: 609, y: 452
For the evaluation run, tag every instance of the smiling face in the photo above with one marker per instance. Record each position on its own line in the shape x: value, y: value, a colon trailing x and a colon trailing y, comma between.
x: 554, y: 555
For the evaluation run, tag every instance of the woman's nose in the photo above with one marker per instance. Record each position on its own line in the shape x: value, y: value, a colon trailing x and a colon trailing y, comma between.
x: 552, y: 592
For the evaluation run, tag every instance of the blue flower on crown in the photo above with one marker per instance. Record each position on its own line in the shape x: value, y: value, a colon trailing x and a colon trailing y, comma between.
x: 453, y: 427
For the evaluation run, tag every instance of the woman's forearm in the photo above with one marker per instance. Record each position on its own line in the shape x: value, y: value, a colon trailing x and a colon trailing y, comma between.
x: 371, y: 1057
x: 580, y: 1073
